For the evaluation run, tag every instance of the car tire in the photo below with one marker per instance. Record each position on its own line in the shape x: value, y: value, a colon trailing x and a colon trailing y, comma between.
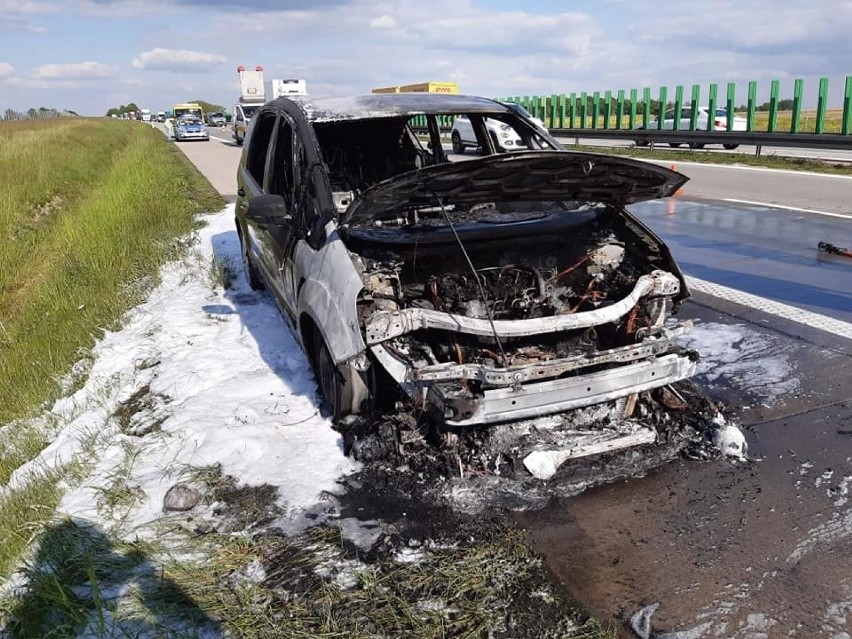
x: 641, y: 142
x: 255, y: 282
x: 674, y: 145
x: 458, y: 147
x: 730, y: 147
x: 696, y: 145
x: 336, y: 391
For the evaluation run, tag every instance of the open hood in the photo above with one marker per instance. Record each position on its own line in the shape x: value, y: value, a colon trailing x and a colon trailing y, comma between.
x: 530, y: 175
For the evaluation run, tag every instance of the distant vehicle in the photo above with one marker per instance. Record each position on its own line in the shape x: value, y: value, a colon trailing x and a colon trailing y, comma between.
x: 216, y: 119
x: 252, y: 97
x: 503, y: 136
x: 146, y: 115
x: 277, y: 88
x: 720, y: 123
x: 517, y: 108
x: 189, y: 127
x: 161, y: 116
x: 188, y: 108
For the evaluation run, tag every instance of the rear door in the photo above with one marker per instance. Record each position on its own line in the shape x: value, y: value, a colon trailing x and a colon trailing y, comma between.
x: 282, y: 238
x: 252, y: 181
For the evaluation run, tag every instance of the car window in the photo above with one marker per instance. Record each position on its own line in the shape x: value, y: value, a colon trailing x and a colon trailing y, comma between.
x: 686, y: 113
x: 259, y: 145
x: 669, y: 115
x: 721, y: 113
x: 281, y: 167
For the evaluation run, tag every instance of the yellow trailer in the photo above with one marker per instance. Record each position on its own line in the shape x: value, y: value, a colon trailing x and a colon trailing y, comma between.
x: 422, y: 87
x: 431, y: 87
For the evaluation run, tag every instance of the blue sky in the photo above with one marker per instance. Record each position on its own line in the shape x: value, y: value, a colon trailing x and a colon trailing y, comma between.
x: 90, y: 55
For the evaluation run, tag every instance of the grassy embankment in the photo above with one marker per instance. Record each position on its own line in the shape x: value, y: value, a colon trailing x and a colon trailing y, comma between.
x: 89, y: 211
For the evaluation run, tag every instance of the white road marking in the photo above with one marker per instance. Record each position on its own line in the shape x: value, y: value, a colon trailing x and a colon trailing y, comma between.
x: 786, y: 208
x: 784, y: 311
x: 743, y: 167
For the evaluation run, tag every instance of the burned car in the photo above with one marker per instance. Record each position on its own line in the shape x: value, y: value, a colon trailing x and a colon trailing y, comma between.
x: 509, y: 286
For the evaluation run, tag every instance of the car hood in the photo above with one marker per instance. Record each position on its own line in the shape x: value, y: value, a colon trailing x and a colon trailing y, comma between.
x: 535, y: 175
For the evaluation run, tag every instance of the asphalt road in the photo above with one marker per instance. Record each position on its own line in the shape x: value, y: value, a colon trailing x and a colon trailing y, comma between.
x: 757, y: 549
x: 791, y: 152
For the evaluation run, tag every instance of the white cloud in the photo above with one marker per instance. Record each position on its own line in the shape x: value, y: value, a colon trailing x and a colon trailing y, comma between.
x: 6, y: 70
x: 78, y: 71
x: 14, y: 7
x: 383, y: 22
x: 177, y: 60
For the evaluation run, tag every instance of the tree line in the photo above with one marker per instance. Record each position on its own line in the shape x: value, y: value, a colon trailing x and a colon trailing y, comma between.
x: 42, y: 113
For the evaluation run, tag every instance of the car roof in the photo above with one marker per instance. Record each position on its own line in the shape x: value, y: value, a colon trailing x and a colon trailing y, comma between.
x: 382, y: 105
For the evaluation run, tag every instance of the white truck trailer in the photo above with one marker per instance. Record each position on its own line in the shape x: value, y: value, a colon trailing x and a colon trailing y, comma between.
x: 278, y: 88
x: 252, y: 97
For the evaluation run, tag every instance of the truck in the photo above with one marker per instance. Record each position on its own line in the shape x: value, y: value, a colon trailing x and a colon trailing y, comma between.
x: 252, y: 97
x: 277, y: 88
x: 188, y: 109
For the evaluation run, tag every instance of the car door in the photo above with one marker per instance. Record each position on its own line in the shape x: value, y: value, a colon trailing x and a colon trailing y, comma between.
x: 282, y: 238
x: 252, y: 180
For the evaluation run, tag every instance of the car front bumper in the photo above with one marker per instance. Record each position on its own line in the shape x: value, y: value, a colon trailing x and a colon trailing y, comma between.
x: 460, y: 408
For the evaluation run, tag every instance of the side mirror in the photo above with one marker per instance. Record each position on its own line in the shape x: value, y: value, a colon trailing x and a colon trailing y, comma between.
x: 268, y: 209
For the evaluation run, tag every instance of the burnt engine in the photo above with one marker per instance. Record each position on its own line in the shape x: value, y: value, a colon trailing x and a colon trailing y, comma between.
x: 517, y: 279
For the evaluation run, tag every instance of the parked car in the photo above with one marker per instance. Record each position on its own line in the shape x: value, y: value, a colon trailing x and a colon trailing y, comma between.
x: 479, y: 291
x: 242, y: 121
x: 215, y: 119
x: 190, y: 128
x: 517, y: 108
x: 503, y: 136
x: 720, y: 123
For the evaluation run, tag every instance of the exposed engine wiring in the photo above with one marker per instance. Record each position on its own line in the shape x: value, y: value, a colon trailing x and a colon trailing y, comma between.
x: 475, y: 277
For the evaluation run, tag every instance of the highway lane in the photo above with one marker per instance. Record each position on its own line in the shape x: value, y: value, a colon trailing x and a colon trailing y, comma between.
x: 833, y: 155
x: 770, y: 252
x: 798, y: 189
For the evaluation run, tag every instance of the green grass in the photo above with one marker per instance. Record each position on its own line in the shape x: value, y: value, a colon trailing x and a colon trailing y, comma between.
x: 468, y: 590
x: 89, y: 211
x: 88, y: 207
x: 80, y: 578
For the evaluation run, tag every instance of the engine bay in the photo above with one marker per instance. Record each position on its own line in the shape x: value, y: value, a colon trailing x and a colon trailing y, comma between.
x: 584, y: 267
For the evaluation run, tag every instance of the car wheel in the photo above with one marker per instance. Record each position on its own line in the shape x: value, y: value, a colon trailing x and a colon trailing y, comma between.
x: 458, y: 147
x: 641, y: 142
x: 730, y: 147
x: 334, y: 389
x: 252, y: 274
x: 696, y: 145
x: 674, y: 144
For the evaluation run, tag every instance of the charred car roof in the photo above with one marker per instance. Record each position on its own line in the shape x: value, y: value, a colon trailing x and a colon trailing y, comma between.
x: 386, y: 105
x: 532, y: 175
